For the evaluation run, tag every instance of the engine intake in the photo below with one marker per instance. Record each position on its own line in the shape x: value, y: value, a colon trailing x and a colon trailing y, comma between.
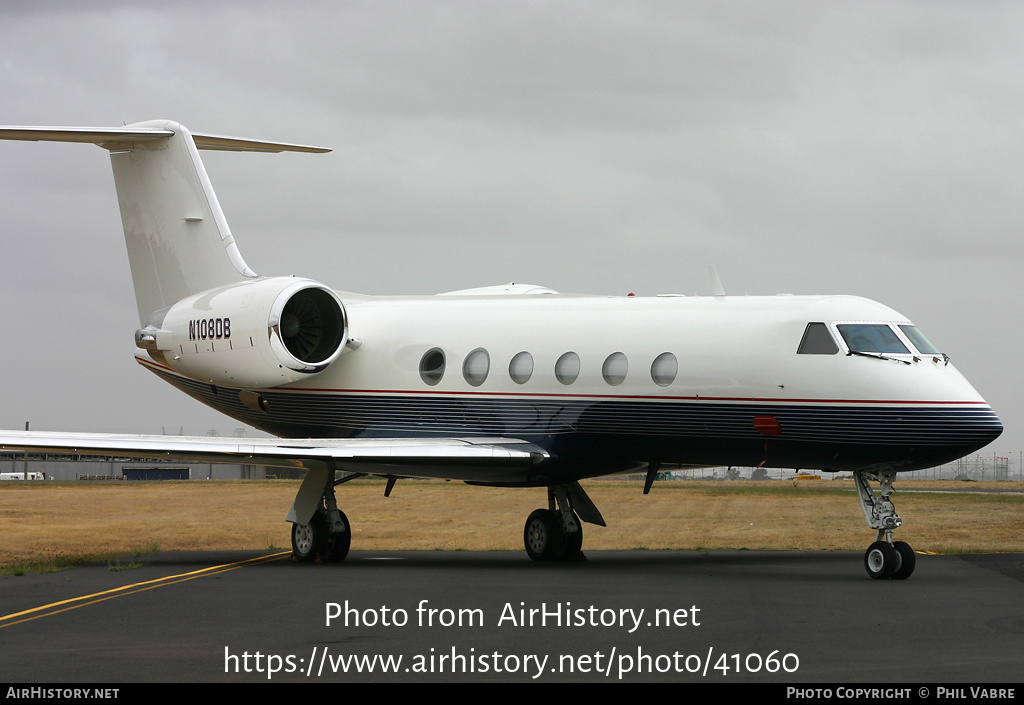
x: 259, y: 333
x: 308, y: 328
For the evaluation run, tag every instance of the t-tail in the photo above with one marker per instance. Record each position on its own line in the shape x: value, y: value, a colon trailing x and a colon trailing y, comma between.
x: 198, y: 301
x: 179, y: 242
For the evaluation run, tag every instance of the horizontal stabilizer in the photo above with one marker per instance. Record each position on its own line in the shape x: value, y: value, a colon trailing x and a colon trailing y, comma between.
x: 94, y: 135
x: 115, y: 137
x: 237, y: 144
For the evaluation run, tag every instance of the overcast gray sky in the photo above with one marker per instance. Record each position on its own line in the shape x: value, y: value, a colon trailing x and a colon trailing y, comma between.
x: 869, y: 148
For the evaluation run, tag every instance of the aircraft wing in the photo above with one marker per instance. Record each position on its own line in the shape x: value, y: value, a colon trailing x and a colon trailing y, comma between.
x: 482, y: 459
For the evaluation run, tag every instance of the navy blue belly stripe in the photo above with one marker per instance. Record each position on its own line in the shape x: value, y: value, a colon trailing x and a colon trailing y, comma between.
x: 347, y: 414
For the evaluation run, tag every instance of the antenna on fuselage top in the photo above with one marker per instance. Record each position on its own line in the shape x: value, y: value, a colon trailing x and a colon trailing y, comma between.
x: 716, y: 284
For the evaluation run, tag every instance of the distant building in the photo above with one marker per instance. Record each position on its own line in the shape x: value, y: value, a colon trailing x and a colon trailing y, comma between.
x: 62, y: 467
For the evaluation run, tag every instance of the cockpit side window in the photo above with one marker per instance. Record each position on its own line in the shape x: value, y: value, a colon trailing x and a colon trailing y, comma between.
x: 817, y: 340
x: 923, y: 345
x: 871, y: 338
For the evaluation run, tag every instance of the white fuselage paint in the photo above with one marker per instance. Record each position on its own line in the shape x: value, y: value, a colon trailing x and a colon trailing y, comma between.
x: 740, y: 348
x: 736, y: 361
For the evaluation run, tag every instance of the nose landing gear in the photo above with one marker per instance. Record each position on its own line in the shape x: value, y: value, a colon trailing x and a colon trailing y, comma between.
x: 884, y: 558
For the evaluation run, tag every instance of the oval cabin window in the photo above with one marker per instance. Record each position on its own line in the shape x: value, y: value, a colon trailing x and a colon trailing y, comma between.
x: 520, y: 369
x: 567, y: 368
x: 614, y: 368
x: 664, y: 369
x: 432, y: 366
x: 476, y: 367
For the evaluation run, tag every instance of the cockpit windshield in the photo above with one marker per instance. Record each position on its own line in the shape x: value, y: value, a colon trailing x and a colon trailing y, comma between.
x: 923, y: 345
x: 871, y: 338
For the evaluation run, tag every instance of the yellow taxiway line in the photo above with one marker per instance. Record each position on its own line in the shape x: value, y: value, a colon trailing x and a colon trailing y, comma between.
x: 85, y: 600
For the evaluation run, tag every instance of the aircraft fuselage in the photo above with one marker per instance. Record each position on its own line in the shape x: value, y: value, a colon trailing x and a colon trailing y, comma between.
x: 607, y: 384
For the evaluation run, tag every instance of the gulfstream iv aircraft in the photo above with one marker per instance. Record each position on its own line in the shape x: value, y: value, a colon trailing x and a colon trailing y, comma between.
x: 511, y: 386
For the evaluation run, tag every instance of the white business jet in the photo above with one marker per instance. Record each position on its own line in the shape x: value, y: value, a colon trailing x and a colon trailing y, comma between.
x: 511, y: 385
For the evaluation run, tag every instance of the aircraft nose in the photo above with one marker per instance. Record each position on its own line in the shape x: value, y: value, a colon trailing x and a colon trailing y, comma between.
x: 961, y: 421
x: 970, y: 429
x: 995, y: 427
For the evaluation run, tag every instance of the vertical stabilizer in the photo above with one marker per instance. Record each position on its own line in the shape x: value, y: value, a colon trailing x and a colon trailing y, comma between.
x: 178, y: 240
x: 179, y: 243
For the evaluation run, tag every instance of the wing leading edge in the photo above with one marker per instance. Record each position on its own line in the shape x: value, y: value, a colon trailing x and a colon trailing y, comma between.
x: 445, y: 458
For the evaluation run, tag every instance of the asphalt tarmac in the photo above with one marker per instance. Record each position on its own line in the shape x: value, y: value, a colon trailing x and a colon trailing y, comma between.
x: 427, y: 617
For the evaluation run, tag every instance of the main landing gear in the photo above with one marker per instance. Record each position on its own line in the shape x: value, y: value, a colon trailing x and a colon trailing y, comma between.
x: 884, y: 558
x: 556, y: 533
x: 321, y: 531
x: 321, y: 537
x: 327, y: 535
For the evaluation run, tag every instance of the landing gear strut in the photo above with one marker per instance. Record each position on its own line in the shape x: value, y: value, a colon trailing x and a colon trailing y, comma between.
x: 327, y: 535
x: 884, y: 558
x: 556, y: 533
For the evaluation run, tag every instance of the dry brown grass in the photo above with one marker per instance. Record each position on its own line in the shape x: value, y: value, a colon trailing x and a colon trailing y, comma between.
x: 46, y: 521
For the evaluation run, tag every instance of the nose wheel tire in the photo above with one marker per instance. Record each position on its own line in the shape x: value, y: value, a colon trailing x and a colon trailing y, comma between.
x: 884, y: 560
x: 880, y: 560
x: 907, y: 560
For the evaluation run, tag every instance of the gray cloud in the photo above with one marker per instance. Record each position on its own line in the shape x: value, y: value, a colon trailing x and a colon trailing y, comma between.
x: 866, y: 148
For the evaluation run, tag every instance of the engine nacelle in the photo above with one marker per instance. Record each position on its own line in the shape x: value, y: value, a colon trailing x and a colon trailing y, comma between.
x: 259, y: 333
